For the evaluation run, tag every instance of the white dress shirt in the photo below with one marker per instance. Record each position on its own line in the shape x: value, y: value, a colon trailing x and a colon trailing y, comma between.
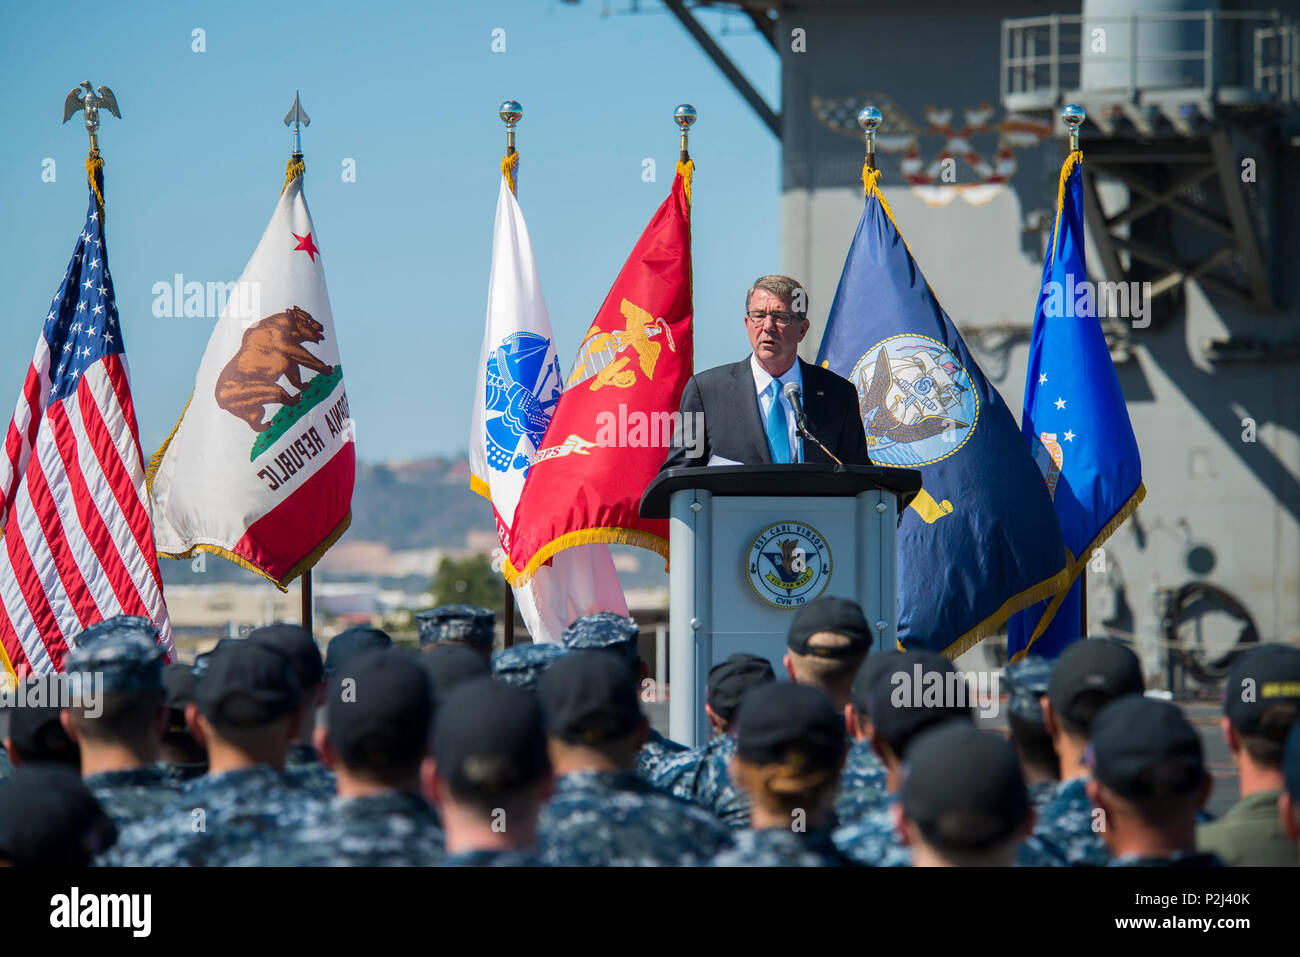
x: 762, y: 382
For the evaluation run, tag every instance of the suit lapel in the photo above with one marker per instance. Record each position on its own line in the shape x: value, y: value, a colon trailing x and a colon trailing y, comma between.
x: 751, y: 416
x: 815, y: 410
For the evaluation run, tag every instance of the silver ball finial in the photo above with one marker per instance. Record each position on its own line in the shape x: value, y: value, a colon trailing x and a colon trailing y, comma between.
x: 1073, y: 115
x: 684, y: 116
x: 869, y: 118
x: 511, y: 113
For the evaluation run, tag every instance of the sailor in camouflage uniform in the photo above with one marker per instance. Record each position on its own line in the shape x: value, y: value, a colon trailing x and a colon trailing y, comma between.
x: 245, y: 810
x: 524, y: 665
x: 376, y: 739
x: 702, y: 774
x: 1149, y: 781
x: 963, y: 801
x: 491, y: 774
x: 864, y: 784
x: 1085, y: 678
x: 467, y: 625
x: 49, y: 819
x: 116, y: 699
x: 1026, y: 684
x: 303, y: 765
x: 180, y: 757
x: 873, y: 838
x: 602, y: 811
x: 790, y: 746
x: 606, y: 631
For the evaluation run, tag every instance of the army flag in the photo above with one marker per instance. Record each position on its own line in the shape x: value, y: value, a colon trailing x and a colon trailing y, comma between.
x: 612, y: 426
x: 1075, y: 422
x: 980, y: 542
x: 519, y: 384
x: 76, y: 543
x: 259, y: 469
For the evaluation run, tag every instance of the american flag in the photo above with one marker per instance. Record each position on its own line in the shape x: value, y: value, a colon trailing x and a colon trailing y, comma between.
x: 77, y: 543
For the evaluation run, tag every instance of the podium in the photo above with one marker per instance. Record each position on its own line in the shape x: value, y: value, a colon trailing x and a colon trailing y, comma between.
x: 749, y: 544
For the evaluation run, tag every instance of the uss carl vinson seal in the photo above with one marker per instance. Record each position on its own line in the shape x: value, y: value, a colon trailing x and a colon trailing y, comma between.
x: 789, y: 563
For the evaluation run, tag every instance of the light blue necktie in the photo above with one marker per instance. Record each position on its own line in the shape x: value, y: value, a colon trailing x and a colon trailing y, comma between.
x: 778, y: 434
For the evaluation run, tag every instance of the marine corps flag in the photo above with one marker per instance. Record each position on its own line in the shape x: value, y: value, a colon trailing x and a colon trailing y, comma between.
x: 980, y: 542
x: 606, y: 439
x: 519, y: 385
x: 254, y: 472
x: 1075, y: 422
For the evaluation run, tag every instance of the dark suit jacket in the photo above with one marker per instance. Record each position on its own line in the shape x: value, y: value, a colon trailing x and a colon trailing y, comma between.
x: 733, y: 424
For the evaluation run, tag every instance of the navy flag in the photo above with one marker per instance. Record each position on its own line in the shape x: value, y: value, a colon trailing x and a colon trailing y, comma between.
x: 980, y: 542
x: 1075, y: 422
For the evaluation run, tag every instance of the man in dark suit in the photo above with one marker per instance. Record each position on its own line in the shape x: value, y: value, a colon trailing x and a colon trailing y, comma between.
x: 746, y: 415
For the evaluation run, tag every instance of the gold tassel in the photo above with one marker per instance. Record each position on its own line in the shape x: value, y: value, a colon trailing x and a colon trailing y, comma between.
x: 95, y: 163
x: 291, y: 170
x: 509, y: 163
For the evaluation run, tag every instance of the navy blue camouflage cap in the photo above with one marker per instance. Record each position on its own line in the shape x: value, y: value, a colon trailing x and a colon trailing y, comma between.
x: 604, y: 631
x: 49, y: 818
x: 1144, y: 748
x: 447, y: 665
x: 247, y: 684
x: 524, y: 665
x: 921, y: 689
x: 730, y: 680
x: 785, y: 723
x: 590, y: 697
x: 202, y: 661
x: 467, y: 623
x: 988, y: 805
x: 127, y: 656
x: 490, y: 739
x: 296, y: 642
x: 352, y: 643
x: 133, y: 624
x: 1027, y: 682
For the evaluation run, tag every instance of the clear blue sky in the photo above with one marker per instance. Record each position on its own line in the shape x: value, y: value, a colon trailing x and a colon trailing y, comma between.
x: 410, y: 92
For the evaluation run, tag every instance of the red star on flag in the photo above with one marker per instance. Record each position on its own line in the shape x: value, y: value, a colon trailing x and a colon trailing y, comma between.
x: 306, y: 245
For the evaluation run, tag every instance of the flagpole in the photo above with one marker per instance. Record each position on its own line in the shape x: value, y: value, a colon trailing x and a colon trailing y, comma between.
x: 869, y: 118
x: 684, y: 116
x: 511, y: 113
x: 1073, y: 115
x: 297, y: 118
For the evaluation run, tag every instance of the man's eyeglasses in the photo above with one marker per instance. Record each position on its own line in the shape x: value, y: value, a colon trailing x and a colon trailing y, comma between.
x: 781, y: 319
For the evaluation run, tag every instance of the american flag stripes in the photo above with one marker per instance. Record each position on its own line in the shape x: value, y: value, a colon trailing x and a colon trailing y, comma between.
x: 77, y: 543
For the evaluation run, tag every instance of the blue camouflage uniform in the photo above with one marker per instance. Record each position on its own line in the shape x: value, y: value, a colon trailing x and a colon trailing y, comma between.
x: 249, y: 817
x: 701, y: 775
x: 182, y: 775
x: 863, y: 783
x: 6, y: 766
x: 393, y: 829
x: 1041, y: 794
x: 1065, y: 822
x: 137, y: 794
x: 606, y: 631
x: 485, y: 858
x: 782, y: 847
x: 618, y: 819
x: 1177, y: 859
x: 872, y: 839
x: 306, y: 771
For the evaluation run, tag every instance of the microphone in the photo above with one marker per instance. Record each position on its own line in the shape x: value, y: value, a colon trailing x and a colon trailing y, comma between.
x: 791, y: 392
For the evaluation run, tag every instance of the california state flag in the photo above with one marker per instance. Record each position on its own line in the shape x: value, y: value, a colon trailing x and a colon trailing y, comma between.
x: 519, y: 384
x: 259, y: 470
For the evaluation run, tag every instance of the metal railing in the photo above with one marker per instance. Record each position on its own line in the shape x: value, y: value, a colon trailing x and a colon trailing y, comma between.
x: 1045, y: 58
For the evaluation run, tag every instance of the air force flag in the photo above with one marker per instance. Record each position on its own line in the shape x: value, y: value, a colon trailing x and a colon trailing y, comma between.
x: 519, y: 384
x: 980, y: 542
x: 1075, y: 421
